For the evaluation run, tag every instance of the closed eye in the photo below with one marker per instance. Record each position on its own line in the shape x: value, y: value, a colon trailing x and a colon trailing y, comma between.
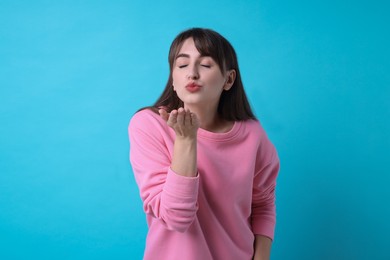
x: 181, y: 66
x: 205, y: 65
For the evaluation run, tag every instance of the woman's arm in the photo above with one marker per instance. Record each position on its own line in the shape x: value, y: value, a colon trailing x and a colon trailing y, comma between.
x: 263, y: 198
x: 262, y: 248
x: 185, y: 125
x: 166, y: 195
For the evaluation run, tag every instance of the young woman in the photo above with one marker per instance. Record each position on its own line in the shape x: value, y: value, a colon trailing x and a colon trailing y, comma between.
x: 205, y: 168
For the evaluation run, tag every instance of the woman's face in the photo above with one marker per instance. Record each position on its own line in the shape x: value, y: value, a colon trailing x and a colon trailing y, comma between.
x: 198, y: 80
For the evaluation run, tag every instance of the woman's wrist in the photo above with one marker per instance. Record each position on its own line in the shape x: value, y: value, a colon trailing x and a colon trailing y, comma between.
x: 184, y: 160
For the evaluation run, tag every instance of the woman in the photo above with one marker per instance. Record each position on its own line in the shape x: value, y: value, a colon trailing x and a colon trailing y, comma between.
x: 205, y: 168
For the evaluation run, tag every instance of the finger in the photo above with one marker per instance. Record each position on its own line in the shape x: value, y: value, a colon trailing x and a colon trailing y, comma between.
x: 172, y: 118
x: 164, y: 114
x: 187, y: 118
x: 180, y: 116
x: 194, y: 120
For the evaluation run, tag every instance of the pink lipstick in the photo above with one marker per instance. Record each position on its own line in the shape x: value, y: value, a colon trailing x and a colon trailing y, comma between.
x: 193, y: 87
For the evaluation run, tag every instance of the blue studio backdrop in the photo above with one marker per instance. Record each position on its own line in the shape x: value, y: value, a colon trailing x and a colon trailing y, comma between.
x: 72, y: 73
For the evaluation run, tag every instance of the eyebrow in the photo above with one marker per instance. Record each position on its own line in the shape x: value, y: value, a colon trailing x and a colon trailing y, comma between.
x: 183, y: 55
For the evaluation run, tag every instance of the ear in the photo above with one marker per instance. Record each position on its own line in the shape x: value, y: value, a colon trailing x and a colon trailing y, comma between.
x: 231, y: 77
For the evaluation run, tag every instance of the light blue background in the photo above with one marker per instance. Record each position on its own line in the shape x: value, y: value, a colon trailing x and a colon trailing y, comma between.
x: 72, y: 73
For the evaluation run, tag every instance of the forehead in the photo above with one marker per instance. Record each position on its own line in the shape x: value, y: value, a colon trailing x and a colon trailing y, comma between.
x: 188, y: 47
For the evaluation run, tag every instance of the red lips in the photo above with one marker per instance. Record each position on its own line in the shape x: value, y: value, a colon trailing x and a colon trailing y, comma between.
x: 193, y: 87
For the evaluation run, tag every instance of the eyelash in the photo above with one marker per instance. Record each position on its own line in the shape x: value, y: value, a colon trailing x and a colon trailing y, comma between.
x: 206, y: 66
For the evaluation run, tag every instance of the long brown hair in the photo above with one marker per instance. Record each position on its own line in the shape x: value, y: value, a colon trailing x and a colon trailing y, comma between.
x: 233, y: 104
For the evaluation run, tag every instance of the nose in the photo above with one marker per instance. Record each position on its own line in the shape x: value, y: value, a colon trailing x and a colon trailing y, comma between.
x: 193, y: 73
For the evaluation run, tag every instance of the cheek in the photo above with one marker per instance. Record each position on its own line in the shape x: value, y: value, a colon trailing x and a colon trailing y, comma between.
x: 217, y: 82
x: 175, y: 77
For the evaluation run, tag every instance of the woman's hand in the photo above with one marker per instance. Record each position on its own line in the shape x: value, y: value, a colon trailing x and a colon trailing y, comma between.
x: 182, y: 121
x: 185, y: 124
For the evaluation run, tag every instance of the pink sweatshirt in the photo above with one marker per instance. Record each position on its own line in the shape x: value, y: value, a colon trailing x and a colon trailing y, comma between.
x: 216, y: 214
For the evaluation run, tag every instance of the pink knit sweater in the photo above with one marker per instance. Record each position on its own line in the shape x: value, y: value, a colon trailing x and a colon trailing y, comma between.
x: 216, y: 214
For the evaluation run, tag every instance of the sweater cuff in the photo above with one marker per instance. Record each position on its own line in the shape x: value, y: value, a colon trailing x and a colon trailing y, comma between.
x: 264, y: 228
x: 181, y: 186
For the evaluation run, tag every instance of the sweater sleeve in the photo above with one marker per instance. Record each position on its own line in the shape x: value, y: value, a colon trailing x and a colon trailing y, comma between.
x: 167, y: 196
x: 263, y: 195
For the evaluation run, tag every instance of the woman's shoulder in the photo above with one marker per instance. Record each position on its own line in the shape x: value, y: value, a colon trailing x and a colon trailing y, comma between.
x: 255, y: 131
x: 145, y: 118
x: 260, y: 134
x: 253, y: 125
x: 144, y: 113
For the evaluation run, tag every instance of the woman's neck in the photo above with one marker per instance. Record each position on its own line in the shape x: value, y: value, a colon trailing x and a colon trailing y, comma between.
x: 210, y: 120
